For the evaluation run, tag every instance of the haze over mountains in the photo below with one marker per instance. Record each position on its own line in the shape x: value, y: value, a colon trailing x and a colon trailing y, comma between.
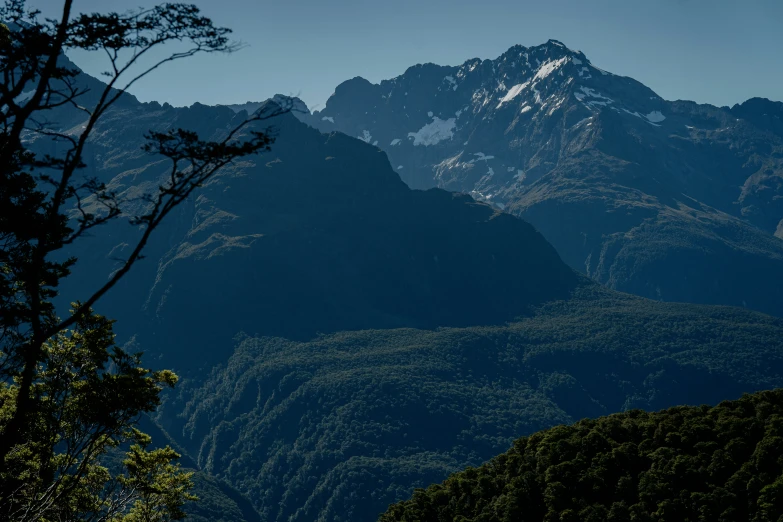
x: 669, y: 200
x: 345, y: 338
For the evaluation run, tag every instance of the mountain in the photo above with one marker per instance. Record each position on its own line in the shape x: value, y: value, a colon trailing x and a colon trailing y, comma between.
x: 317, y: 236
x: 686, y: 463
x: 343, y: 338
x: 668, y: 200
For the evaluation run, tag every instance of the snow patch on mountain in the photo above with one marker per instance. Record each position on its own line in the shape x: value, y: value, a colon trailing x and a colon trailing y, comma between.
x: 537, y: 95
x: 555, y: 107
x: 481, y: 97
x: 587, y: 92
x: 434, y: 132
x: 548, y: 67
x: 481, y: 157
x: 450, y: 163
x: 593, y: 93
x: 653, y: 118
x: 513, y: 92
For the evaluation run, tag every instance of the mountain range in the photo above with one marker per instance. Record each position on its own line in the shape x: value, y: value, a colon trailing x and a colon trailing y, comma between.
x: 669, y: 200
x: 344, y: 338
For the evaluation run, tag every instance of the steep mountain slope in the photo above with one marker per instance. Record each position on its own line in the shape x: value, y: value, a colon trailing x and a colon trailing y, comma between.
x: 687, y: 464
x: 668, y: 200
x: 339, y: 427
x: 319, y: 235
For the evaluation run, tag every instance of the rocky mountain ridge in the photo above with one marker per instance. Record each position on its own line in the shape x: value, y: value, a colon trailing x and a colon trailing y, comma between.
x: 670, y: 200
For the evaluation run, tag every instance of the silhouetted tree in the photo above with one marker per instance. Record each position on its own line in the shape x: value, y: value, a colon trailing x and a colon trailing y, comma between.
x: 68, y: 394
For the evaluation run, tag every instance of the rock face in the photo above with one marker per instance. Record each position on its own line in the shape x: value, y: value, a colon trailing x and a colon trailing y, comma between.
x: 669, y: 200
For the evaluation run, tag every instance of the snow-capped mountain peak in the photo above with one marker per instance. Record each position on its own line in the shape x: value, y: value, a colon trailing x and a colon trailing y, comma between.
x: 432, y: 117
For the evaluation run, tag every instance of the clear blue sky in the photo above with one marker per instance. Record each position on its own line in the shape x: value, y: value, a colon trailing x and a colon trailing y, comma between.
x: 714, y: 51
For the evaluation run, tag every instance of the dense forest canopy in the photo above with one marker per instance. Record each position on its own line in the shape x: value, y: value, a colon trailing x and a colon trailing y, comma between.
x: 338, y: 427
x: 684, y: 464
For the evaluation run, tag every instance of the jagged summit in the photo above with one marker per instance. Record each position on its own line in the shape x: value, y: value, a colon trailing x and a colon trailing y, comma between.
x: 551, y: 49
x: 460, y: 107
x: 525, y: 79
x: 516, y: 56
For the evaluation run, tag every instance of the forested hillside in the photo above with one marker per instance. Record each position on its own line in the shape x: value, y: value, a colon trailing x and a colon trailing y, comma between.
x: 338, y: 427
x: 687, y: 463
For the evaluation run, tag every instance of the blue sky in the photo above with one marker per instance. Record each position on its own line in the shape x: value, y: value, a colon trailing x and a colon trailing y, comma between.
x: 712, y: 51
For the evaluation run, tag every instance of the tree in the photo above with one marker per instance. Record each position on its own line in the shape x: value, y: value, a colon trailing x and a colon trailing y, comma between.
x: 68, y: 394
x: 87, y: 395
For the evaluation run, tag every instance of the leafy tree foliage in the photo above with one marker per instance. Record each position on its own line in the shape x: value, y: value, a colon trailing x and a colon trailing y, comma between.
x: 704, y: 463
x: 67, y: 393
x: 88, y: 394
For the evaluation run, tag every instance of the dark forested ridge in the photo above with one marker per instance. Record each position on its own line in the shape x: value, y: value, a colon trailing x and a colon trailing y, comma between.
x: 339, y: 427
x: 686, y: 464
